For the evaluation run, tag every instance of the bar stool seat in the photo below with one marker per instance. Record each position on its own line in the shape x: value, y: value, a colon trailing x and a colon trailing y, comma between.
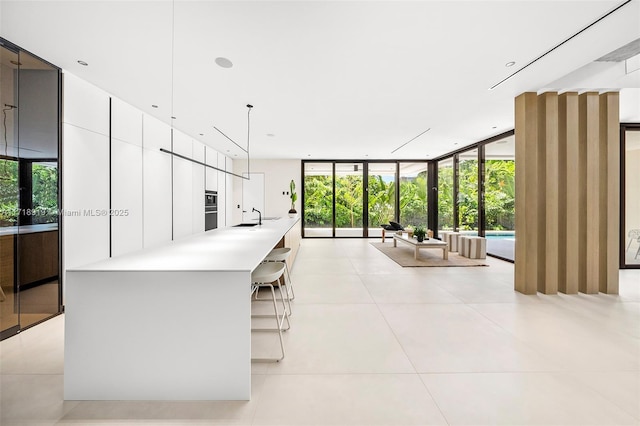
x: 265, y: 275
x: 281, y: 255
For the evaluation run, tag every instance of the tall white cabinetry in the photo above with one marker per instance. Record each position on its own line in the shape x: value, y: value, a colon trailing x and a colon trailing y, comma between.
x: 85, y: 173
x: 120, y: 192
x: 156, y: 167
x: 126, y: 178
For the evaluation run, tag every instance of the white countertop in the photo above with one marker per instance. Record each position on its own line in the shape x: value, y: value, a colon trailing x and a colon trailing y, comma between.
x: 28, y: 229
x: 222, y: 249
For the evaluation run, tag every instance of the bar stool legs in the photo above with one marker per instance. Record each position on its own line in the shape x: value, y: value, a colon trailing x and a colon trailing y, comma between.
x: 264, y: 276
x: 281, y: 255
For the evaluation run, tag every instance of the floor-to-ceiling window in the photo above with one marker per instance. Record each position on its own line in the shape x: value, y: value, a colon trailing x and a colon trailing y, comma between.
x: 631, y: 196
x: 413, y: 194
x: 349, y: 184
x: 499, y: 197
x: 446, y: 202
x: 468, y: 192
x: 355, y: 198
x: 318, y: 199
x: 381, y: 195
x: 30, y: 290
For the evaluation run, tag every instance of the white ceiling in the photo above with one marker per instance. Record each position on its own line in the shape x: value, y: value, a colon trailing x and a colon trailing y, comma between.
x: 331, y: 80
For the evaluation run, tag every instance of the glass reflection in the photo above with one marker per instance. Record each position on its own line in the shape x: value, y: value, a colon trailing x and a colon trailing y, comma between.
x: 29, y: 181
x: 499, y: 198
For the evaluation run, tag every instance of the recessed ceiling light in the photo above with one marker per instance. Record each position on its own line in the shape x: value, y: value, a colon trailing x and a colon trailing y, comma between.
x: 509, y: 64
x: 173, y: 118
x: 16, y: 63
x: 83, y: 63
x: 154, y: 106
x: 235, y: 155
x: 455, y: 143
x: 224, y: 62
x: 494, y: 127
x: 270, y: 135
x: 308, y: 155
x: 227, y: 150
x: 201, y: 134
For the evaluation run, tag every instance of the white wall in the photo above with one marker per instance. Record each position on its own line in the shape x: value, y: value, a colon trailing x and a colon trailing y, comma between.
x: 277, y: 175
x: 155, y: 197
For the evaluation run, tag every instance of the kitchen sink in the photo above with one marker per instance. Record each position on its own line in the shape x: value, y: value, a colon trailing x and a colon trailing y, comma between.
x: 245, y: 225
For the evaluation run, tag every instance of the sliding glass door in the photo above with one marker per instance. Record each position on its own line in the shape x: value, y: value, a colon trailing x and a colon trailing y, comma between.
x: 354, y: 198
x: 446, y: 202
x: 468, y: 192
x: 381, y: 196
x: 349, y: 184
x: 499, y: 198
x: 413, y: 194
x: 318, y: 199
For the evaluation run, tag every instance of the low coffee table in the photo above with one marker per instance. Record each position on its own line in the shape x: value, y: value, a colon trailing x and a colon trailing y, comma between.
x: 430, y: 243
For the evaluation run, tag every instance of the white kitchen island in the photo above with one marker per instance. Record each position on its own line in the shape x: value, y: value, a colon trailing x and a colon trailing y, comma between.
x: 167, y: 323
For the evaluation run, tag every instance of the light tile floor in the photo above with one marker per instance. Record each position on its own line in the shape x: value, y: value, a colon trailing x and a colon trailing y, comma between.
x: 373, y: 343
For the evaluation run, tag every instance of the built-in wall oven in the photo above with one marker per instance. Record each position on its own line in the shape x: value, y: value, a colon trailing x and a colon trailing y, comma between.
x: 210, y: 210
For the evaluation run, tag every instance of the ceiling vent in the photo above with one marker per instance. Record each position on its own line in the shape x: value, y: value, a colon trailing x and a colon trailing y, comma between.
x: 623, y: 53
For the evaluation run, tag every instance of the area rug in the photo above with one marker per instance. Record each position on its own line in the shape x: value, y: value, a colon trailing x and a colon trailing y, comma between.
x: 403, y: 256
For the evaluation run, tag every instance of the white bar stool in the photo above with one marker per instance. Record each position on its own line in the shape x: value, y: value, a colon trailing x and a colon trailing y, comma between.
x: 265, y: 275
x: 281, y: 255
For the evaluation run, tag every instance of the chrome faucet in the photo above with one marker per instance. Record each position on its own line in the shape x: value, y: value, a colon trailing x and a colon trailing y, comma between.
x: 259, y: 215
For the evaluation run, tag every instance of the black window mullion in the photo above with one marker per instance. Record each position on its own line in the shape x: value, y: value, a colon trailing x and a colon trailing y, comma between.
x: 455, y: 193
x: 481, y: 190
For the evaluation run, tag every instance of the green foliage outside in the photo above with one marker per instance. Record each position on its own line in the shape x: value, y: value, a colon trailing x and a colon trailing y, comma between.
x: 413, y: 200
x: 8, y: 193
x: 445, y: 197
x: 468, y: 195
x: 318, y: 201
x: 45, y: 193
x: 382, y: 201
x: 499, y: 198
x: 349, y: 201
x: 500, y: 194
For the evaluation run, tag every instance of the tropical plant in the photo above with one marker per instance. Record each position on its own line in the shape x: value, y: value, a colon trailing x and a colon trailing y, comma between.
x: 293, y: 195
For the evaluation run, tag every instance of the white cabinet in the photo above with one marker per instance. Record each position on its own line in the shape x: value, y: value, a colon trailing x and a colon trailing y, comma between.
x: 86, y: 196
x: 126, y: 197
x: 126, y: 123
x: 198, y: 185
x: 126, y: 178
x: 156, y: 178
x: 223, y: 178
x: 211, y: 174
x: 85, y: 106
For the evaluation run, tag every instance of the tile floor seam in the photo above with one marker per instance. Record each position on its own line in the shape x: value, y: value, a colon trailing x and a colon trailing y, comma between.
x: 433, y: 399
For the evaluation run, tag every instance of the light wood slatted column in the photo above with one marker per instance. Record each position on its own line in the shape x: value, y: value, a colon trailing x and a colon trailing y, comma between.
x: 590, y: 137
x: 567, y: 192
x: 576, y: 192
x: 610, y: 140
x: 528, y: 212
x: 548, y: 149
